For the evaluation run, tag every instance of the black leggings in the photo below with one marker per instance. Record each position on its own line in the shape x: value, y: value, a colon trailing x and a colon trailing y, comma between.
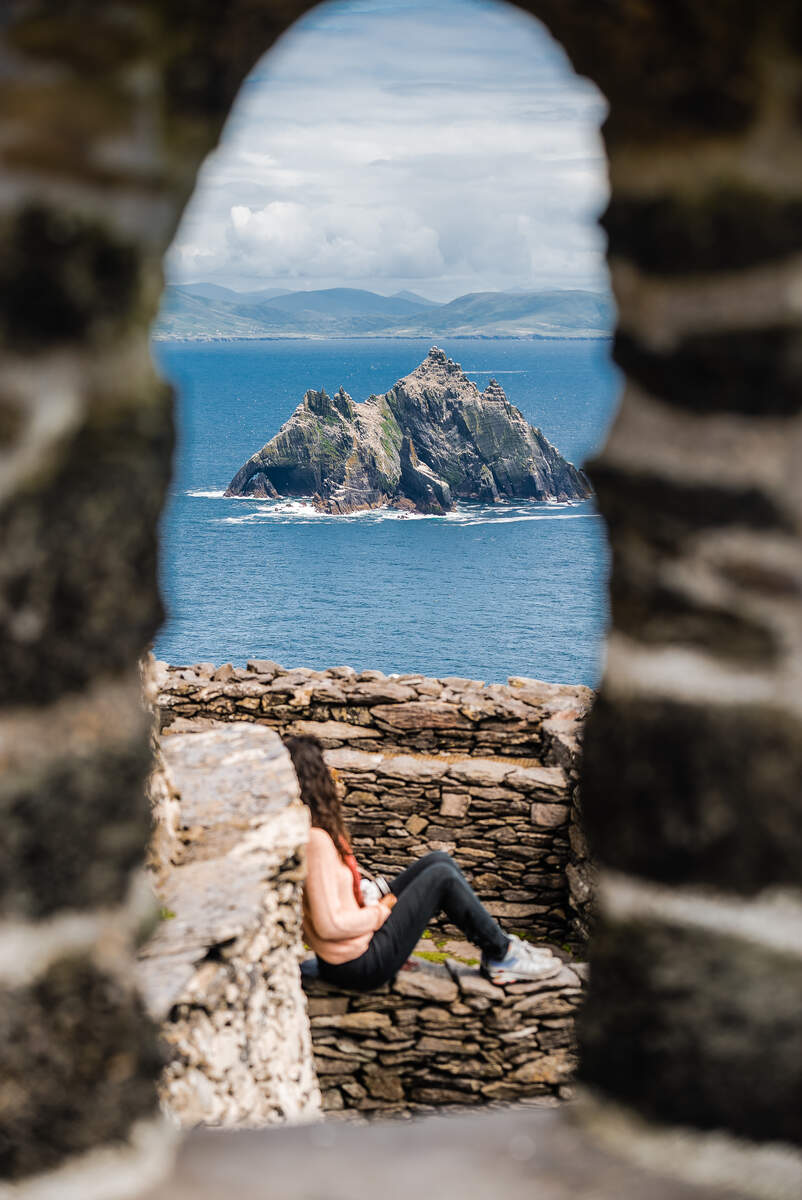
x: 431, y: 885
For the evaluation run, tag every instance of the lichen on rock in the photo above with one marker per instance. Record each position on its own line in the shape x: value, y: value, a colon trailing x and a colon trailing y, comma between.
x: 431, y: 439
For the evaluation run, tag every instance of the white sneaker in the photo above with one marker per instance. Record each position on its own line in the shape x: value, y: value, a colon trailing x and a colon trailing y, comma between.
x: 521, y: 962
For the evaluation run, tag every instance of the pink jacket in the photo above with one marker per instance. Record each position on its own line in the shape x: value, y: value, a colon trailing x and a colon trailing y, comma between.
x: 335, y: 927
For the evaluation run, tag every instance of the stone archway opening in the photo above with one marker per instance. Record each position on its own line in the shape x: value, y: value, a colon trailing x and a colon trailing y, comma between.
x: 482, y: 180
x: 104, y: 130
x: 487, y: 772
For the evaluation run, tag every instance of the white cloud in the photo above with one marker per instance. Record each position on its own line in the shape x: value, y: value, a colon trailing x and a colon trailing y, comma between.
x: 291, y: 240
x: 446, y: 144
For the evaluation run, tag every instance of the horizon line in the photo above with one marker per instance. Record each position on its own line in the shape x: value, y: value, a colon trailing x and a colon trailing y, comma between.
x: 399, y: 292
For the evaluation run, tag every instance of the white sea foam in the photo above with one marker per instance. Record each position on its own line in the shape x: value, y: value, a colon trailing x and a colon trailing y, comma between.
x: 302, y: 511
x: 218, y: 494
x: 529, y: 517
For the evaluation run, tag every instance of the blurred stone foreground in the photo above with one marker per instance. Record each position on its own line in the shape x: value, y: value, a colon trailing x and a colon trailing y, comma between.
x: 691, y: 1034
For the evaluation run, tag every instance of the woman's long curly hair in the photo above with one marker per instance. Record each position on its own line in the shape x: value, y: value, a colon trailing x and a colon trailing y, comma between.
x: 318, y: 789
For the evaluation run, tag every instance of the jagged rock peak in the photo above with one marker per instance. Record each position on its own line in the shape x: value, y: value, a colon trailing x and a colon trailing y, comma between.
x: 438, y: 357
x: 322, y: 404
x: 494, y: 391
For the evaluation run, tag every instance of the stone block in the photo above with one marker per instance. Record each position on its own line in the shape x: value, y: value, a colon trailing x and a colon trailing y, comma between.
x: 332, y: 731
x: 383, y: 1084
x: 416, y: 824
x: 326, y: 1006
x: 340, y: 1068
x: 351, y: 1022
x: 263, y: 666
x: 538, y: 779
x: 380, y: 692
x: 550, y: 1004
x: 549, y: 816
x: 427, y: 981
x: 454, y: 804
x: 483, y: 772
x: 345, y: 759
x: 421, y: 715
x: 444, y: 1045
x: 417, y: 770
x: 553, y: 1068
x: 472, y: 983
x: 324, y: 694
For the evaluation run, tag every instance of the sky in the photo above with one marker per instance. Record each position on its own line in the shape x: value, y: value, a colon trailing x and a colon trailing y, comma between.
x: 443, y: 147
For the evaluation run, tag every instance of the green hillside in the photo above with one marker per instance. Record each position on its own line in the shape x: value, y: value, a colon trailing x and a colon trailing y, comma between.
x: 208, y: 312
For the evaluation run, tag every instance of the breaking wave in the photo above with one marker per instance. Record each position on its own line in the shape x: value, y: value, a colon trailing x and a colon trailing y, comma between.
x: 301, y: 511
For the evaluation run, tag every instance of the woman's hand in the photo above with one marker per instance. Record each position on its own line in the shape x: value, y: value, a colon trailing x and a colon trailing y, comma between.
x: 388, y: 901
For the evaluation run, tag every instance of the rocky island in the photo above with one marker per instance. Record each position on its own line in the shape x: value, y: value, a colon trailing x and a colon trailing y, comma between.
x: 432, y: 439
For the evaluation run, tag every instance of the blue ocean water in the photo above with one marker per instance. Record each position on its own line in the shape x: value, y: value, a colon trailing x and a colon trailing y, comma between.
x: 484, y: 592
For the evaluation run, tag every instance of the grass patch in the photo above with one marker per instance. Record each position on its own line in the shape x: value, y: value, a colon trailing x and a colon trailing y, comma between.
x: 439, y: 939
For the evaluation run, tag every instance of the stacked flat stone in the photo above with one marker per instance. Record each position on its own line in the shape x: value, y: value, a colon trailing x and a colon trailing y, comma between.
x: 441, y: 1035
x: 488, y: 773
x: 220, y: 974
x: 525, y: 718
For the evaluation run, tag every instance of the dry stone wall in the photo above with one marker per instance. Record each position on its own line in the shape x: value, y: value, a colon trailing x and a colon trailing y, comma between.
x: 506, y: 825
x: 220, y: 974
x: 525, y: 718
x: 442, y: 1035
x: 486, y: 772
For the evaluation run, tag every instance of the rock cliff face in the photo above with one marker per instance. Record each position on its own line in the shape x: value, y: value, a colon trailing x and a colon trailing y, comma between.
x: 432, y: 439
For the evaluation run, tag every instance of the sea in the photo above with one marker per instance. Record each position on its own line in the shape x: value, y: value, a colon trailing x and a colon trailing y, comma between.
x: 485, y: 592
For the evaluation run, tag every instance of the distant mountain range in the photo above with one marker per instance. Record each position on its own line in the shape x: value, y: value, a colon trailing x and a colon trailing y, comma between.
x: 209, y: 312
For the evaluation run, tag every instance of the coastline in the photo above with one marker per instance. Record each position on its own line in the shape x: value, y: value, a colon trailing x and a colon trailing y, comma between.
x: 387, y: 337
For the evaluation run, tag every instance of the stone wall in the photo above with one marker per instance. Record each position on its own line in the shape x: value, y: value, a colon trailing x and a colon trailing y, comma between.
x: 525, y: 718
x: 441, y: 1034
x: 506, y: 825
x: 488, y: 773
x: 220, y: 973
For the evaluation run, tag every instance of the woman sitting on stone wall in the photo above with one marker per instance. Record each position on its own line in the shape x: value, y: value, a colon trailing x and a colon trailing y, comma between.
x: 363, y: 945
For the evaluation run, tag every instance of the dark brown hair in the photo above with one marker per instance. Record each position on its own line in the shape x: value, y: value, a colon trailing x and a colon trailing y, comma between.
x: 318, y: 789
